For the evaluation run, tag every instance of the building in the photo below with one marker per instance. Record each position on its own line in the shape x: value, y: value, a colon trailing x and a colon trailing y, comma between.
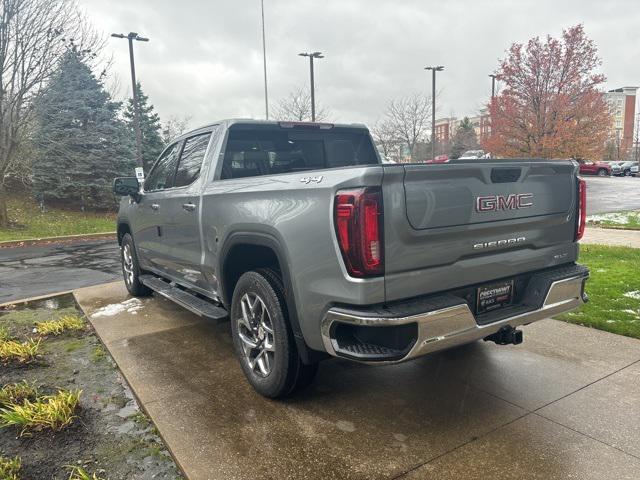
x: 446, y: 127
x: 622, y: 102
x: 481, y: 124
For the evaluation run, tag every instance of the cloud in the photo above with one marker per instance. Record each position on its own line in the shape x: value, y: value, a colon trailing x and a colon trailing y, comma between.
x: 204, y: 59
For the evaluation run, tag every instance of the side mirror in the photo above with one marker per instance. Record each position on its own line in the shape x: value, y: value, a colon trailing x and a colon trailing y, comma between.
x: 124, y: 186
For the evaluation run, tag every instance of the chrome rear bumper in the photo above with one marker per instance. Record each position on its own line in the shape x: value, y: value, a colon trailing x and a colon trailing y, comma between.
x: 454, y: 325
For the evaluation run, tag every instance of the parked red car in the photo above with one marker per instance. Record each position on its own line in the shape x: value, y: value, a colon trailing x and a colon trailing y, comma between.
x: 588, y: 167
x: 438, y: 159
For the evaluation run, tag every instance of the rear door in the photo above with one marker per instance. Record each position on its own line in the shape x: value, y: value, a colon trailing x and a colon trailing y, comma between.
x: 458, y: 224
x: 182, y: 208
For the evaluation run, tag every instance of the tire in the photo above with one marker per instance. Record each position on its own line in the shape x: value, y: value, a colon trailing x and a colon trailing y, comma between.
x: 602, y: 172
x: 262, y: 337
x: 627, y: 173
x: 131, y: 269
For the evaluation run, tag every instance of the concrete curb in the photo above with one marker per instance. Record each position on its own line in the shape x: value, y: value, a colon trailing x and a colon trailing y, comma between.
x: 61, y: 239
x: 34, y: 299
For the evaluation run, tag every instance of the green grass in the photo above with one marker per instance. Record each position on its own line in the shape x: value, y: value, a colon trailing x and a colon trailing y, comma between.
x: 4, y: 333
x: 98, y: 354
x: 27, y: 221
x: 613, y: 289
x: 619, y: 220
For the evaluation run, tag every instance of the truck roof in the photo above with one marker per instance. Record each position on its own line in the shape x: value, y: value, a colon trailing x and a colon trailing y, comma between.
x: 250, y: 121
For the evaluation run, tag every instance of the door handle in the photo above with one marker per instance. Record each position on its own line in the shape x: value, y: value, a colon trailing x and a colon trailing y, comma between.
x: 154, y: 206
x: 189, y: 207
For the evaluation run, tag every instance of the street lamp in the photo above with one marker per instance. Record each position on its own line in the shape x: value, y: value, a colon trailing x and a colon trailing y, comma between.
x: 136, y: 107
x: 264, y: 65
x: 434, y: 69
x: 493, y: 85
x: 311, y: 56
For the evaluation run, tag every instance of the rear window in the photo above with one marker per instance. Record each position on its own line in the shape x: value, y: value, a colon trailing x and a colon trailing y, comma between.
x: 269, y: 150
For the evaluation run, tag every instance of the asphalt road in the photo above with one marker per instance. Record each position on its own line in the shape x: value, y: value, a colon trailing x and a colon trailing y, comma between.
x: 40, y: 270
x: 34, y: 271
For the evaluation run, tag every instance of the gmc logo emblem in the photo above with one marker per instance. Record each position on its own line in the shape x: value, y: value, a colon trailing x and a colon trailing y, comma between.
x: 493, y: 203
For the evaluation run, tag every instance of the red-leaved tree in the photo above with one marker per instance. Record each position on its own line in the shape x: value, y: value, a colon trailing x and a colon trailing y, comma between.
x: 551, y: 105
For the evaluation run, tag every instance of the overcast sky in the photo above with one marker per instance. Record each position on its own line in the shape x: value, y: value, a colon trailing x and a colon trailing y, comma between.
x: 204, y: 58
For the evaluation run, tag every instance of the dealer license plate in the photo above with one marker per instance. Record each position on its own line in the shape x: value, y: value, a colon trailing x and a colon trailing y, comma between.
x: 494, y: 296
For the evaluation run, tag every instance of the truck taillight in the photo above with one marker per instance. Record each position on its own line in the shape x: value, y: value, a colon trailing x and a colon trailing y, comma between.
x: 359, y: 228
x: 582, y: 209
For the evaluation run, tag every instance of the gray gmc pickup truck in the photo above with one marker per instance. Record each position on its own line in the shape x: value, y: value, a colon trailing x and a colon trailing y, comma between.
x: 313, y: 248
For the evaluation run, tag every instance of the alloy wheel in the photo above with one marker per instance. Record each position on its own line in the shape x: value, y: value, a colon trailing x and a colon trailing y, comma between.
x: 127, y: 264
x: 255, y: 331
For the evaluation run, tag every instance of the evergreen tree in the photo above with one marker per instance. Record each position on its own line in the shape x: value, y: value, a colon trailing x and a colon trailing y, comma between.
x: 464, y: 139
x: 150, y: 128
x: 80, y: 143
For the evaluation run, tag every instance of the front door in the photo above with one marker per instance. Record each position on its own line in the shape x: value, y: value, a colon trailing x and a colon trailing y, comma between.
x: 153, y: 214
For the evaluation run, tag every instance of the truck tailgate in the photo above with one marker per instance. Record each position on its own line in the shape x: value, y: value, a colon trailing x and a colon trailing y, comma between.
x: 457, y: 224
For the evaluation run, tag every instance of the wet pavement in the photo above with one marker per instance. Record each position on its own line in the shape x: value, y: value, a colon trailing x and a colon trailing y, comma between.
x: 612, y: 194
x: 40, y: 270
x: 564, y: 404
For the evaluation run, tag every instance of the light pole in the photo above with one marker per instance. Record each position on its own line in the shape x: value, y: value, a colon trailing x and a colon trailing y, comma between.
x: 434, y: 69
x: 264, y: 63
x: 493, y: 85
x: 136, y: 107
x: 311, y: 56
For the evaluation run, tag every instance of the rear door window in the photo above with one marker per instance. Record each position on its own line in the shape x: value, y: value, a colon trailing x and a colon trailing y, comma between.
x: 191, y: 159
x: 267, y: 150
x: 163, y: 171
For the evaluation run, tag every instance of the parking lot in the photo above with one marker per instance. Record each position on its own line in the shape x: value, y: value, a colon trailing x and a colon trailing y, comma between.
x: 564, y: 404
x: 612, y: 194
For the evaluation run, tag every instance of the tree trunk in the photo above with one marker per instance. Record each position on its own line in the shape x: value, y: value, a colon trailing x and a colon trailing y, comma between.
x: 4, y: 217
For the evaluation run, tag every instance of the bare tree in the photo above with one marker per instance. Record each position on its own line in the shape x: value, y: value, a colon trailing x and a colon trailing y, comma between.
x: 386, y: 139
x: 408, y: 119
x: 296, y: 107
x: 33, y: 36
x: 173, y: 127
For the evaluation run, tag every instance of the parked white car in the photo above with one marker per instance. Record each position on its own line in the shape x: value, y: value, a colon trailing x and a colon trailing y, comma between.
x: 474, y: 155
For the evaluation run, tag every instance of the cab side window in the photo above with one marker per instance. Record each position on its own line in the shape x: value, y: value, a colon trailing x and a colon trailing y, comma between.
x: 163, y: 172
x: 191, y: 159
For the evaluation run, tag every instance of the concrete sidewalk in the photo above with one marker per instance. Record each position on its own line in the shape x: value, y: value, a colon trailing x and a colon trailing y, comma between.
x: 564, y: 404
x: 613, y: 237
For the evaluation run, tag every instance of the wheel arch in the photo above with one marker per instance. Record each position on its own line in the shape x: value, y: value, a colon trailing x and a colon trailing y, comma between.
x: 236, y: 246
x: 123, y: 227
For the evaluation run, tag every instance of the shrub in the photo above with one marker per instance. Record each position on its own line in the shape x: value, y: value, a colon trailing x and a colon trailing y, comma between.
x: 16, y: 393
x: 10, y: 468
x: 20, y: 352
x: 79, y: 473
x: 54, y: 412
x: 56, y: 327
